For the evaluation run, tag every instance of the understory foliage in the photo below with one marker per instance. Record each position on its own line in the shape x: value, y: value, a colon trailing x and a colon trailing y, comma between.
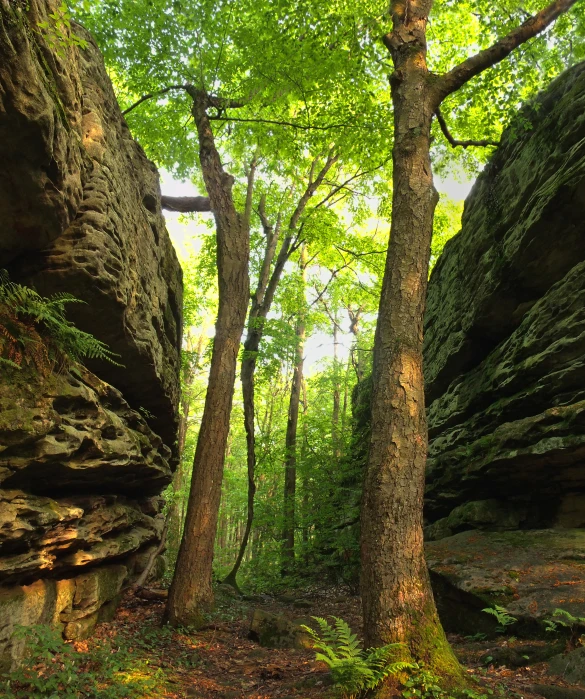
x: 35, y: 331
x: 52, y: 668
x: 353, y: 670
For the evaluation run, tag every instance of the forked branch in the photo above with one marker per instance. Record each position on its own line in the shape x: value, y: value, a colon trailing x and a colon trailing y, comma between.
x: 459, y: 75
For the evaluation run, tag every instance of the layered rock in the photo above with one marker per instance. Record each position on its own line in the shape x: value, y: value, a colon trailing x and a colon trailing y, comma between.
x: 505, y: 333
x: 82, y: 458
x: 81, y: 200
x: 65, y: 551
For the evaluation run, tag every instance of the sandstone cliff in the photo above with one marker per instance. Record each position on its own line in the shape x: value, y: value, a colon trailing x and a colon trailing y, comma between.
x: 80, y: 205
x: 81, y: 467
x: 505, y: 332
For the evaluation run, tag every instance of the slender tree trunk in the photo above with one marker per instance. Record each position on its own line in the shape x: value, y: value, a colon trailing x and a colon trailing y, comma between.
x: 260, y: 308
x: 336, y: 391
x: 290, y: 463
x: 191, y: 593
x: 247, y: 377
x: 174, y: 516
x: 357, y: 358
x: 398, y: 603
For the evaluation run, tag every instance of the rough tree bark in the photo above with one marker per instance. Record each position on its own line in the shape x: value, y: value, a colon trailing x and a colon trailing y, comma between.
x: 191, y: 594
x: 290, y: 459
x: 397, y: 599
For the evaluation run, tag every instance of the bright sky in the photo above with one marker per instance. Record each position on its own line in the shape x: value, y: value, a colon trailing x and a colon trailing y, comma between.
x: 184, y: 236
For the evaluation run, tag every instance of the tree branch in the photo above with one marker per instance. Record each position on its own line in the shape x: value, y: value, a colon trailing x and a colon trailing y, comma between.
x: 312, y: 188
x: 275, y: 122
x: 185, y: 205
x: 459, y: 75
x: 152, y: 95
x: 453, y: 141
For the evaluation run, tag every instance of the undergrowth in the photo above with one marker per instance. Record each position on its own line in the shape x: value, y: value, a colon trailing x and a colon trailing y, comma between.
x: 34, y: 331
x: 53, y: 669
x: 355, y: 671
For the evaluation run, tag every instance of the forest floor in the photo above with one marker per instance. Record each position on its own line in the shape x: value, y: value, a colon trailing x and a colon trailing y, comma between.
x: 220, y: 662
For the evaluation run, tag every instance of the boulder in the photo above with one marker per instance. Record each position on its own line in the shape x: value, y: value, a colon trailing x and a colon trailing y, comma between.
x: 529, y: 573
x: 275, y: 631
x: 570, y: 666
x: 83, y: 456
x: 504, y: 343
x: 81, y: 212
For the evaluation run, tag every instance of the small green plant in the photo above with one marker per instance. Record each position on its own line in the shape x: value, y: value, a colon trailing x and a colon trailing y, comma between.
x: 424, y: 684
x: 353, y: 669
x: 53, y: 669
x: 564, y: 619
x: 34, y: 329
x: 58, y: 33
x: 479, y: 636
x: 146, y: 413
x: 502, y: 617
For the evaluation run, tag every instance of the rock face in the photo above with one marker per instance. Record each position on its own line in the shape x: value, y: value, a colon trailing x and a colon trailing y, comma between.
x: 80, y: 206
x: 80, y: 465
x: 79, y: 471
x: 505, y: 334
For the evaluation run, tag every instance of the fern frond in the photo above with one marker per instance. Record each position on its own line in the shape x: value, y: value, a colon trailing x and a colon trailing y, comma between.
x: 35, y: 329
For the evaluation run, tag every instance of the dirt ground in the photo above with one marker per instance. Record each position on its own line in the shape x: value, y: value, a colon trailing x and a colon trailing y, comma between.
x: 220, y: 662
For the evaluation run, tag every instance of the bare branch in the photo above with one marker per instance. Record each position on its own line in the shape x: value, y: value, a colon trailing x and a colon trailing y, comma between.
x: 459, y: 75
x: 276, y: 122
x: 454, y: 142
x: 185, y: 205
x: 311, y: 189
x: 152, y: 95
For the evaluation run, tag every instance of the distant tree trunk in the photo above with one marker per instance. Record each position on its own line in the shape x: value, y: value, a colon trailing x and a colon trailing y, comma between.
x: 305, y: 476
x: 189, y: 372
x: 336, y: 391
x: 397, y: 599
x: 357, y: 352
x: 261, y: 304
x: 290, y: 462
x: 191, y: 593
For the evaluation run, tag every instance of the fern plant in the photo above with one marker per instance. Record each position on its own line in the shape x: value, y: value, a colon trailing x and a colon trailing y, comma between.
x: 502, y: 617
x: 564, y: 619
x: 353, y: 670
x: 34, y: 329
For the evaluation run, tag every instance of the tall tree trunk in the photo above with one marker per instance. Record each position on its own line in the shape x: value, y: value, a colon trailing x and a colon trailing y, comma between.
x: 190, y: 369
x: 396, y: 594
x: 191, y: 593
x: 398, y: 603
x: 260, y: 308
x: 336, y: 391
x: 290, y: 459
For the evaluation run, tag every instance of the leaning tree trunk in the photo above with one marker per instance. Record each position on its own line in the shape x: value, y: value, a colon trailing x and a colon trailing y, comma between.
x: 290, y: 459
x: 191, y: 594
x: 398, y: 603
